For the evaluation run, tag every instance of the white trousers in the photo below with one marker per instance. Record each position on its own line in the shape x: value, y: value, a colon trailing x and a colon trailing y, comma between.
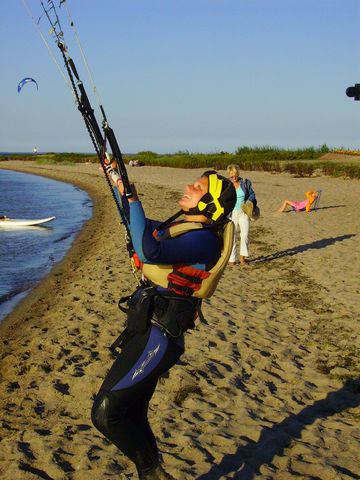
x: 242, y: 223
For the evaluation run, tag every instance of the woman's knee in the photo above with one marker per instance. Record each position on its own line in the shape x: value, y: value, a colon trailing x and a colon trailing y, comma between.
x: 106, y: 407
x: 100, y: 411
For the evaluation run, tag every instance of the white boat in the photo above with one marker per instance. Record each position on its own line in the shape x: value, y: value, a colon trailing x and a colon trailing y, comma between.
x: 23, y: 222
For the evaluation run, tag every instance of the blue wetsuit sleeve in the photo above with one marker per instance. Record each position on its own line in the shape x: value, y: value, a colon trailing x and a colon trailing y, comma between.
x: 198, y: 246
x: 137, y: 227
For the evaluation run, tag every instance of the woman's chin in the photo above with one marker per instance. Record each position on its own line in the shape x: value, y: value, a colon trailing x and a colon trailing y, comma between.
x: 183, y: 206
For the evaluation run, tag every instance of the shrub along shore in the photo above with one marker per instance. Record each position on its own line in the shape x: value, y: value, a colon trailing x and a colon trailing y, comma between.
x: 304, y: 162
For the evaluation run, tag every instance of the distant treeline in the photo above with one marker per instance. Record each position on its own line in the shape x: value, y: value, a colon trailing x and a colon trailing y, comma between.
x: 299, y: 162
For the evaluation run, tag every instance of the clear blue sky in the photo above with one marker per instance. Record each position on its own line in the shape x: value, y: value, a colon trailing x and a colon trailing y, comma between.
x: 197, y: 75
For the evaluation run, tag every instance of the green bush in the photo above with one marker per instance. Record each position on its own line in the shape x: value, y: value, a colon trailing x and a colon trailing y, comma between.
x: 300, y: 162
x: 299, y: 169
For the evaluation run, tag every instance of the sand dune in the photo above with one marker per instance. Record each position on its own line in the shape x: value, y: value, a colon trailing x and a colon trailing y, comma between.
x: 268, y: 387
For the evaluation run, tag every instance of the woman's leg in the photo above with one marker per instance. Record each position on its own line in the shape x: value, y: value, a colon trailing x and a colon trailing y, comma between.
x: 287, y: 203
x: 121, y: 406
x: 122, y: 419
x: 235, y: 220
x: 244, y: 223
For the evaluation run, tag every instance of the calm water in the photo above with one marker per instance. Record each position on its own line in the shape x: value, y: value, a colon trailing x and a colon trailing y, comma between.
x: 28, y: 253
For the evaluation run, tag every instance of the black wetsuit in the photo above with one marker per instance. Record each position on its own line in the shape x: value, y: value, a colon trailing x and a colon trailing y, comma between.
x: 121, y: 406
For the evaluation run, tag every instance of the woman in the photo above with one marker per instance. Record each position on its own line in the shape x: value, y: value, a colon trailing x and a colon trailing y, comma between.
x: 311, y: 196
x: 182, y: 262
x: 245, y: 202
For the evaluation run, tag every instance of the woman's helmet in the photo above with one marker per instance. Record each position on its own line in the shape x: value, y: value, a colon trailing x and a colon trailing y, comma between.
x: 220, y: 199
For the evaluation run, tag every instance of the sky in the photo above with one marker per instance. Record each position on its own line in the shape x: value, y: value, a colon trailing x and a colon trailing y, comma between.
x: 190, y: 75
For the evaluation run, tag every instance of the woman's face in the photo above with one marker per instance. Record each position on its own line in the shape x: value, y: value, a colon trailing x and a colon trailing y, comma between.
x: 193, y: 193
x: 234, y: 177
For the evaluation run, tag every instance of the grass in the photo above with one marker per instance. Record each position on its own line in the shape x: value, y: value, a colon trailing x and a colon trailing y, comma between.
x: 51, y: 158
x: 304, y: 162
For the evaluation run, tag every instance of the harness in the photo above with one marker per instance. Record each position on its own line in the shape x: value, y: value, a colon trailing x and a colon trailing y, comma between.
x: 187, y: 280
x: 174, y: 306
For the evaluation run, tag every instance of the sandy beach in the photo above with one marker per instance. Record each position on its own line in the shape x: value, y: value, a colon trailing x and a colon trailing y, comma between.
x: 269, y: 386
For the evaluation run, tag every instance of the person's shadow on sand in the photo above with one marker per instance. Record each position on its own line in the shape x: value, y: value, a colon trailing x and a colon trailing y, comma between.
x: 248, y: 458
x: 330, y: 206
x: 319, y: 208
x: 317, y: 244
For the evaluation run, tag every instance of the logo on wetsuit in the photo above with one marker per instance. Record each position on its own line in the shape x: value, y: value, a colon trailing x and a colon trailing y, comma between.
x: 151, y: 354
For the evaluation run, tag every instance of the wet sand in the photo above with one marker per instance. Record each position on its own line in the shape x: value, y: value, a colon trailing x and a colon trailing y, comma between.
x: 268, y: 387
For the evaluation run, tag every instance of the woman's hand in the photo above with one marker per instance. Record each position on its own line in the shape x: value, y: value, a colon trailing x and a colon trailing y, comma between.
x: 121, y: 188
x: 115, y: 177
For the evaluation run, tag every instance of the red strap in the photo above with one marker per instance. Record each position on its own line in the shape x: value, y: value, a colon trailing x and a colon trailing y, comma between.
x: 137, y: 261
x: 187, y: 276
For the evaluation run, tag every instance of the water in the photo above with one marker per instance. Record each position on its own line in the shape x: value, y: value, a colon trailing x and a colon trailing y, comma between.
x: 28, y: 253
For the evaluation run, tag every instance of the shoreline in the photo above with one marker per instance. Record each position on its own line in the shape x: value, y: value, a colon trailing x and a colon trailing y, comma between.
x: 59, y: 268
x: 258, y: 394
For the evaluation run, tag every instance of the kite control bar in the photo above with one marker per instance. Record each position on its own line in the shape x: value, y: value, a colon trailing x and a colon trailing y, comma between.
x: 98, y: 138
x: 110, y: 135
x: 87, y: 112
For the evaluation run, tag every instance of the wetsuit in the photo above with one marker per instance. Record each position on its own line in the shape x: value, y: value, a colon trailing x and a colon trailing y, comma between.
x: 121, y: 406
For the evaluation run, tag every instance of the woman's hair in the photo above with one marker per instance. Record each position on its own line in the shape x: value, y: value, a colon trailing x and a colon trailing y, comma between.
x: 231, y: 169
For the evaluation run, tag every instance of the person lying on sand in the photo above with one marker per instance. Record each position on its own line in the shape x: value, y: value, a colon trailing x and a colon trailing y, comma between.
x: 299, y: 206
x: 183, y: 262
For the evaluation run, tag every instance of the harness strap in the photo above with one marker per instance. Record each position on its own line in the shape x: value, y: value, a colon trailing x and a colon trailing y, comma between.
x: 120, y: 341
x: 181, y: 289
x: 191, y: 278
x: 172, y: 312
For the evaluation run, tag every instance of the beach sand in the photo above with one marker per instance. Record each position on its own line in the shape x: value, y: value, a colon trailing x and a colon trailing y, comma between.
x: 268, y: 387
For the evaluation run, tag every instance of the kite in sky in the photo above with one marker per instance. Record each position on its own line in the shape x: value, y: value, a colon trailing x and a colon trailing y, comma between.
x: 24, y: 81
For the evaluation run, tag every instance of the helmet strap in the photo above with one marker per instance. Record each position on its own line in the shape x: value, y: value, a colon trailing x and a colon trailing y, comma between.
x: 167, y: 222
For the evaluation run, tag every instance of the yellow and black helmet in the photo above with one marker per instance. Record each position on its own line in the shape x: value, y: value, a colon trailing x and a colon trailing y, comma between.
x: 220, y: 199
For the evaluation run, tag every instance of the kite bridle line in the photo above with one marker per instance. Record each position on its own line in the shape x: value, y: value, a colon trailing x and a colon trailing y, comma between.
x: 86, y: 63
x: 98, y: 139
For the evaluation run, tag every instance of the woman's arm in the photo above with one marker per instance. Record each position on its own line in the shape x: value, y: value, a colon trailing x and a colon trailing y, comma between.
x: 251, y: 193
x: 199, y: 246
x: 246, y: 187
